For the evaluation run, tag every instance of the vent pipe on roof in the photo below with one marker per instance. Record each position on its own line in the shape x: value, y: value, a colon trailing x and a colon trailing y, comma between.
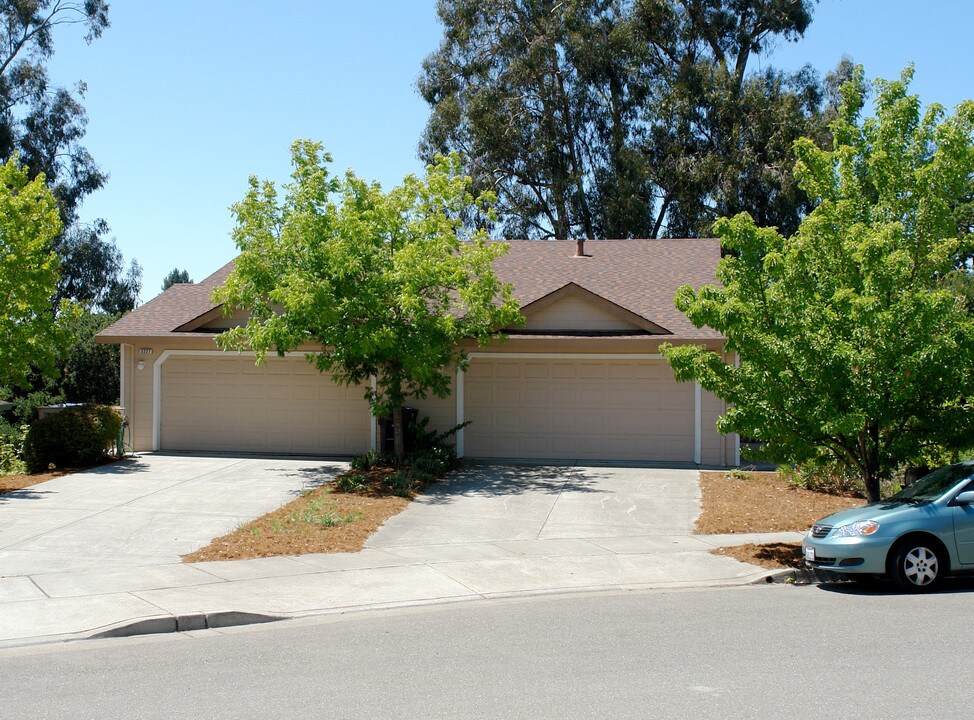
x: 580, y: 248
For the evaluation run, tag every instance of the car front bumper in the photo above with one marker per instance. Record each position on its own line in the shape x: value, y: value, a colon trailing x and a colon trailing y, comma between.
x: 863, y: 554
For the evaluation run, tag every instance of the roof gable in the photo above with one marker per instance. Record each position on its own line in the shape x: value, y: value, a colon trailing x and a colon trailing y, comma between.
x: 572, y: 308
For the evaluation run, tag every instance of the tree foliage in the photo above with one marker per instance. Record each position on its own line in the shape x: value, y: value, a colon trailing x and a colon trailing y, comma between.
x: 386, y: 284
x: 45, y: 126
x: 175, y: 276
x: 618, y: 118
x: 28, y: 274
x: 854, y: 342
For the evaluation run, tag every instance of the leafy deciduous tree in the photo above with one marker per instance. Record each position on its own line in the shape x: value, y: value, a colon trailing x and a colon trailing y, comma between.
x: 386, y: 283
x: 28, y: 274
x: 853, y: 342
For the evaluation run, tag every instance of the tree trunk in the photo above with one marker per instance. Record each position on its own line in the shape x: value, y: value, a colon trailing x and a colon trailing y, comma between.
x: 870, y: 450
x: 398, y: 437
x: 871, y: 481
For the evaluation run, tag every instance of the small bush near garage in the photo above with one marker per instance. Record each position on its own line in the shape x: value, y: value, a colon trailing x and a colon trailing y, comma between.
x: 74, y: 437
x: 379, y: 474
x: 12, y: 450
x: 835, y: 479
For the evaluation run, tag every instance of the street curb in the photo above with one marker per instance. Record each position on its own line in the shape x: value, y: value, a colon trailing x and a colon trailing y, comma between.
x: 184, y: 623
x: 800, y: 576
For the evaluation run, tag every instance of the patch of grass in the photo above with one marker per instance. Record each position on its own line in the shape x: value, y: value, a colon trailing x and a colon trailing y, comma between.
x: 325, y: 513
x: 761, y: 502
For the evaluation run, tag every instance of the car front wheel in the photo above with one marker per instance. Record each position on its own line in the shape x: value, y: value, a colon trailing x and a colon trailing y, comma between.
x: 916, y: 566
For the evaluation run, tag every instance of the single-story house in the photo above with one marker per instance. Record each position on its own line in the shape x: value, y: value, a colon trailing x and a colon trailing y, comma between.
x: 581, y: 380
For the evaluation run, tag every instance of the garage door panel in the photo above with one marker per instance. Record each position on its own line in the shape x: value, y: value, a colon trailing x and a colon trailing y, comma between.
x: 284, y: 405
x: 563, y: 370
x: 587, y: 409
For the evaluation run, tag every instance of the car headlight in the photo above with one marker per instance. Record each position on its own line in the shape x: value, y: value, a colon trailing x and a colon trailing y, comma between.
x: 863, y: 527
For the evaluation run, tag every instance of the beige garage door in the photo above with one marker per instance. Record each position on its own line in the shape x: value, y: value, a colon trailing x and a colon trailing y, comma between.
x: 577, y: 409
x: 228, y: 403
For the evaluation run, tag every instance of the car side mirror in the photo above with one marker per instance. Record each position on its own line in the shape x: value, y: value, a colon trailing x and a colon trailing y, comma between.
x: 964, y: 498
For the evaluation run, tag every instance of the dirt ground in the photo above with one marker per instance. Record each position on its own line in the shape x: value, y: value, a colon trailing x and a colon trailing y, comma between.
x: 762, y: 502
x: 9, y: 483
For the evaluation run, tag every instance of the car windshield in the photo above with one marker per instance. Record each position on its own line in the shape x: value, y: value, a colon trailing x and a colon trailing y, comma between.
x: 932, y: 486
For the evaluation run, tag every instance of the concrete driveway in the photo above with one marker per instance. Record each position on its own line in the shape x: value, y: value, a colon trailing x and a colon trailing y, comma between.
x: 98, y: 552
x: 519, y: 503
x: 143, y: 511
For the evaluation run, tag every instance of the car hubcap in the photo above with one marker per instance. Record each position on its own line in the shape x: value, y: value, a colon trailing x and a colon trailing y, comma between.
x: 920, y: 566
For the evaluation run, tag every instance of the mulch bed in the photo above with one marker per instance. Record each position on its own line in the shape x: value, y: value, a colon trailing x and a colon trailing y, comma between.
x: 762, y: 502
x: 773, y: 556
x: 288, y: 530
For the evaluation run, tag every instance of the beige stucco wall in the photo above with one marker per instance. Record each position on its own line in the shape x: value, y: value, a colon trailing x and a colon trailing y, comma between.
x: 575, y: 313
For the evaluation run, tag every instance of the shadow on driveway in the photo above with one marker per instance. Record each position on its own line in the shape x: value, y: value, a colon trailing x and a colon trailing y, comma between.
x: 485, y: 480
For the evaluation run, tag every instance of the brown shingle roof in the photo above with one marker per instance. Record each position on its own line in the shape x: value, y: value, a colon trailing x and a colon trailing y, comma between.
x: 179, y: 304
x: 641, y: 276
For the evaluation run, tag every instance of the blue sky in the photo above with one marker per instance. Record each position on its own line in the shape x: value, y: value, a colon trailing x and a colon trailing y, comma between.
x: 187, y: 99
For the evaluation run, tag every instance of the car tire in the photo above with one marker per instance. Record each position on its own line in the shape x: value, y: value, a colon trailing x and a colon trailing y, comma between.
x: 917, y: 566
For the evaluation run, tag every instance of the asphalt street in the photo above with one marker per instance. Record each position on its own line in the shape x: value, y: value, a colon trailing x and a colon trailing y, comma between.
x: 768, y: 651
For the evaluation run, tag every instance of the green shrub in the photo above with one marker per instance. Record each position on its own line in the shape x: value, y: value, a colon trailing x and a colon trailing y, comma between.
x: 72, y: 438
x: 400, y: 482
x: 350, y: 482
x: 12, y: 450
x: 830, y: 479
x: 371, y: 459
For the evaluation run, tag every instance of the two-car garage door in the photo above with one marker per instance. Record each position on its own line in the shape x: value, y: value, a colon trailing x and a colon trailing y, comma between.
x: 227, y: 403
x: 577, y: 409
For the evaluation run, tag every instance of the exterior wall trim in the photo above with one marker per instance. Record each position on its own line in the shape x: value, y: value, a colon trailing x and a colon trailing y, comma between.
x: 564, y: 356
x: 121, y: 376
x: 697, y: 429
x: 459, y: 415
x: 374, y: 424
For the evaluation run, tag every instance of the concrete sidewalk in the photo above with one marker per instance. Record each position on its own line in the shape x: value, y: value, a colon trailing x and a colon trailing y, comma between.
x: 490, y: 531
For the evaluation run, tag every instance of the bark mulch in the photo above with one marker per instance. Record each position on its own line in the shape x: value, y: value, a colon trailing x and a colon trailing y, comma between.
x: 322, y: 520
x: 762, y: 502
x: 9, y: 483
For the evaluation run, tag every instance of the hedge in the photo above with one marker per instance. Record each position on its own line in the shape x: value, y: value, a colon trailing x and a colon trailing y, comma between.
x: 73, y: 437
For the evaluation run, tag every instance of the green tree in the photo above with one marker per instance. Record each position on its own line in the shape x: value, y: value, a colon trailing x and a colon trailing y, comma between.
x: 618, y: 118
x: 28, y: 274
x: 45, y: 126
x: 386, y: 283
x: 854, y: 344
x: 175, y: 276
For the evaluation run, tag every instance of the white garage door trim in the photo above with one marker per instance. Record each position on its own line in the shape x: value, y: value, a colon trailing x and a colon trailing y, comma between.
x: 697, y: 395
x: 157, y: 389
